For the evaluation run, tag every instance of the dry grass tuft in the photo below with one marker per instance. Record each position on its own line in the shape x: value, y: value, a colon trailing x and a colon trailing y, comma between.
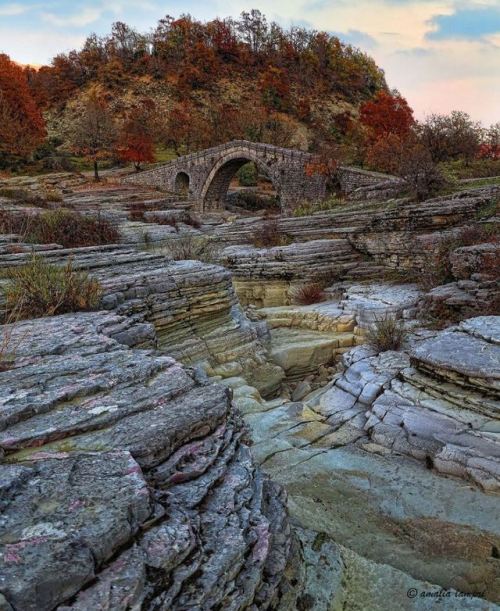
x: 387, y: 333
x: 61, y: 226
x: 308, y: 294
x: 270, y: 235
x: 190, y: 247
x: 39, y: 289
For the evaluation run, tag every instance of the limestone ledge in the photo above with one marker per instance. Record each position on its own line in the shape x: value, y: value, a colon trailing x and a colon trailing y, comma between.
x: 439, y: 404
x: 192, y: 305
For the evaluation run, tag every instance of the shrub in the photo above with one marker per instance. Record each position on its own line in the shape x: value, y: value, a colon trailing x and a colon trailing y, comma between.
x: 136, y: 211
x: 62, y: 226
x: 192, y: 247
x: 308, y: 294
x: 247, y: 175
x: 192, y: 222
x: 387, y: 333
x: 40, y: 289
x: 51, y: 195
x: 14, y: 193
x: 313, y: 207
x: 15, y: 222
x: 270, y: 235
x: 163, y: 220
x: 250, y: 200
x: 8, y: 346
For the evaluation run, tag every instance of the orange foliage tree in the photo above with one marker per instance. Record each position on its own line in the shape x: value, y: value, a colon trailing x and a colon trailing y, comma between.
x: 387, y: 114
x: 22, y: 127
x: 389, y: 128
x: 136, y: 139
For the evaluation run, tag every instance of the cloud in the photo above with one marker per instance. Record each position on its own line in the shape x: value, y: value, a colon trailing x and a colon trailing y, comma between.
x: 415, y: 52
x: 82, y: 19
x: 357, y: 38
x: 469, y: 23
x: 11, y: 10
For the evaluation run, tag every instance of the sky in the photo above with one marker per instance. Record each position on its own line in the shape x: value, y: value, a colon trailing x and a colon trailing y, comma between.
x: 442, y: 55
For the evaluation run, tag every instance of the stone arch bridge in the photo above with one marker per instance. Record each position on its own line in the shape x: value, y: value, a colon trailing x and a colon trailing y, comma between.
x: 205, y: 176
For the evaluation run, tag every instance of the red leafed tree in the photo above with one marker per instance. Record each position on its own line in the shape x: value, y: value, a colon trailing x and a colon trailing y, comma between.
x: 387, y: 114
x: 22, y: 127
x: 136, y: 140
x: 275, y: 88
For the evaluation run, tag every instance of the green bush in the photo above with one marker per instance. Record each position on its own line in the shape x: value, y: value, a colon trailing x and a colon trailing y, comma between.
x: 40, y: 289
x: 247, y: 175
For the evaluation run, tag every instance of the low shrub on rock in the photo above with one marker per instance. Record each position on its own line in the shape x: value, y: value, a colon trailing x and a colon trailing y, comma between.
x: 136, y: 211
x: 39, y: 289
x: 270, y: 235
x: 308, y: 294
x: 190, y: 247
x: 387, y: 333
x: 61, y: 226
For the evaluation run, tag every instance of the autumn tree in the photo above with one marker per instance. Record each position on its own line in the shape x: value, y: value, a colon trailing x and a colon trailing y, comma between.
x: 490, y: 146
x: 186, y: 128
x: 93, y: 133
x: 387, y: 113
x: 385, y: 154
x: 22, y: 127
x: 419, y: 171
x: 453, y: 136
x: 275, y: 88
x: 137, y: 135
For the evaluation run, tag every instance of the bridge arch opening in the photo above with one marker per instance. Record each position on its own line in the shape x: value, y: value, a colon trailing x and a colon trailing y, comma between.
x: 182, y: 183
x: 225, y: 189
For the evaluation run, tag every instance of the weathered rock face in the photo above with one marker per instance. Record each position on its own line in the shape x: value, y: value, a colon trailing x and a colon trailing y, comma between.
x: 267, y: 276
x: 439, y: 405
x: 192, y: 305
x: 476, y: 290
x: 363, y: 458
x: 126, y: 481
x: 354, y: 243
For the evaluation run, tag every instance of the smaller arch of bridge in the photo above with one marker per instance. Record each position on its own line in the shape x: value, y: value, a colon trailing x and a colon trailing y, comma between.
x: 182, y: 183
x: 216, y: 184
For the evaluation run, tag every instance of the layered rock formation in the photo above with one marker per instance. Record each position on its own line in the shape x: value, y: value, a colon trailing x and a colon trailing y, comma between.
x: 125, y: 479
x: 192, y: 305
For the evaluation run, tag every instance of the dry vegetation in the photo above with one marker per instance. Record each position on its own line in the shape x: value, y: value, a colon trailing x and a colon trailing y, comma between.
x: 39, y: 289
x: 190, y: 247
x: 61, y: 226
x: 387, y: 333
x: 307, y: 294
x: 270, y: 235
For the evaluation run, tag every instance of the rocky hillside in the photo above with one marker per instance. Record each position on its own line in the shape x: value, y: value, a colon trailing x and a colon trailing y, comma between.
x: 212, y: 82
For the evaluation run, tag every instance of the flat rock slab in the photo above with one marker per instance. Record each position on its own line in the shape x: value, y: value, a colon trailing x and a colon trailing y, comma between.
x: 62, y: 514
x: 463, y: 355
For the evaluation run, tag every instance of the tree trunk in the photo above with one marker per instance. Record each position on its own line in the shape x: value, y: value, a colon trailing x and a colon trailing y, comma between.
x: 96, y: 171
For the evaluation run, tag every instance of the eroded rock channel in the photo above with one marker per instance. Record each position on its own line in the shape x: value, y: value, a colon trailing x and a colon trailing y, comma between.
x: 201, y: 442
